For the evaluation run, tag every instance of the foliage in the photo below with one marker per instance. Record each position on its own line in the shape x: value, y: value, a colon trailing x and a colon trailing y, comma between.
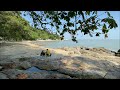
x: 14, y: 27
x: 85, y: 21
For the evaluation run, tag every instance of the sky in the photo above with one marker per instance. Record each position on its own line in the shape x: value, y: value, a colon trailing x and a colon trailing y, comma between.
x: 112, y: 34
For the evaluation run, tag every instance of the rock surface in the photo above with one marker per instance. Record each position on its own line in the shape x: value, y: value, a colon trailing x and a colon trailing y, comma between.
x: 3, y: 76
x: 24, y: 62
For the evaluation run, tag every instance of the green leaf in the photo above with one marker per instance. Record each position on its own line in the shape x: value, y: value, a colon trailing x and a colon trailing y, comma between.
x: 59, y: 23
x: 70, y: 24
x: 106, y: 36
x: 94, y: 12
x: 87, y: 12
x: 104, y: 28
x: 81, y: 13
x: 64, y: 30
x: 73, y: 32
x: 62, y: 16
x: 64, y: 26
x: 108, y: 14
x: 97, y: 34
x: 57, y: 27
x: 90, y: 35
x: 67, y: 18
x: 71, y: 14
x: 52, y: 24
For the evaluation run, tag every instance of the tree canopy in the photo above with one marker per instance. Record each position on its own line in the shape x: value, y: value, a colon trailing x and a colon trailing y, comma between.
x: 15, y: 28
x: 73, y: 21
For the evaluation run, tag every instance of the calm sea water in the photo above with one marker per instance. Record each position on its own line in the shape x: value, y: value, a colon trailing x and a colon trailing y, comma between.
x: 111, y: 44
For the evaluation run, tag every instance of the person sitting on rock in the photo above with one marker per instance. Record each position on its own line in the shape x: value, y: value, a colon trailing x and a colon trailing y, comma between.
x: 48, y: 52
x: 43, y: 53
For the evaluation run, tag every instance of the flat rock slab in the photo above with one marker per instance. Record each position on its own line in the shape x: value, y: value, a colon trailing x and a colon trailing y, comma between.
x: 3, y: 76
x: 112, y: 75
x: 33, y: 69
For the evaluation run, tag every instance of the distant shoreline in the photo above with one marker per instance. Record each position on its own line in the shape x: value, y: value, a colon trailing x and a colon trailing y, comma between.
x: 45, y: 43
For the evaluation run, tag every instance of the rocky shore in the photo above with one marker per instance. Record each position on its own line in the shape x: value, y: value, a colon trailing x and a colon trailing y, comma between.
x: 22, y: 60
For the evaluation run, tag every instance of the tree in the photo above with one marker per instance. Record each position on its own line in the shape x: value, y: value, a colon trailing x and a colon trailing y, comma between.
x: 73, y: 21
x: 14, y: 27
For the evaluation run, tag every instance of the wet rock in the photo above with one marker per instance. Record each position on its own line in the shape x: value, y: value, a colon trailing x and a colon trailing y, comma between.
x: 3, y: 76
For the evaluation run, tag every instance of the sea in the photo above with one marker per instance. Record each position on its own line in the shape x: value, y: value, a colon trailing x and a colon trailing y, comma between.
x: 110, y: 44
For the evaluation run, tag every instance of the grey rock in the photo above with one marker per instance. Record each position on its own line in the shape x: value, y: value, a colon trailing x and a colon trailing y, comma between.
x: 117, y: 54
x: 24, y: 65
x: 71, y: 52
x: 118, y: 51
x: 72, y: 73
x: 3, y: 76
x: 8, y: 65
x: 57, y: 76
x: 112, y: 75
x: 33, y: 69
x: 1, y: 38
x: 12, y: 73
x: 1, y: 67
x: 77, y: 52
x: 48, y: 65
x: 87, y: 49
x: 93, y: 74
x: 45, y: 74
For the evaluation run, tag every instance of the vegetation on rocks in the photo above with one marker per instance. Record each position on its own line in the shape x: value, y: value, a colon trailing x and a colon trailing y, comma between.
x: 15, y: 28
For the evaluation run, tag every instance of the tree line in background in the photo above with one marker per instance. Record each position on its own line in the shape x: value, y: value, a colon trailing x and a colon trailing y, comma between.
x: 15, y: 28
